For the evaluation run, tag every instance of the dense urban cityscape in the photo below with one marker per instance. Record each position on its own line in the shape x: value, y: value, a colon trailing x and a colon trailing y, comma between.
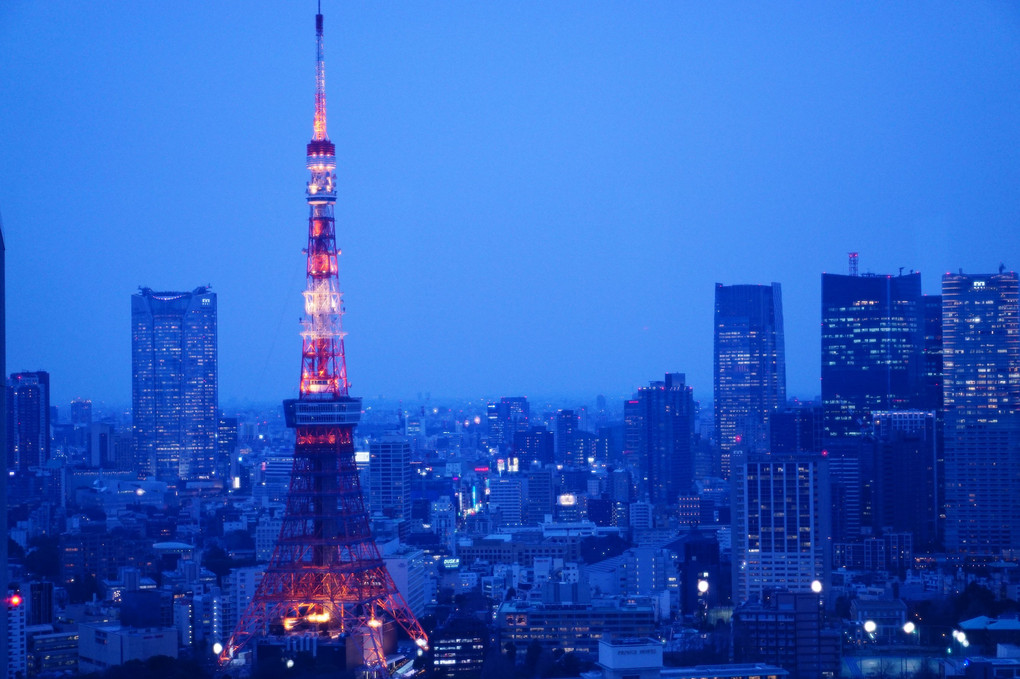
x: 871, y: 530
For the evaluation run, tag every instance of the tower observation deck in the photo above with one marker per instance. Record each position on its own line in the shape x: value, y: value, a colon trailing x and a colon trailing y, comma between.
x: 326, y: 589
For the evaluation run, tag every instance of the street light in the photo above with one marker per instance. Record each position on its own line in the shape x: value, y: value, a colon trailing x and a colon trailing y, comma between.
x: 816, y: 586
x: 909, y: 627
x: 702, y: 586
x: 961, y: 638
x: 870, y: 626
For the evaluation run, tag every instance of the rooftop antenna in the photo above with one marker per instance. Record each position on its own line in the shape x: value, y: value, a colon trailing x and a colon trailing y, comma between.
x: 854, y: 271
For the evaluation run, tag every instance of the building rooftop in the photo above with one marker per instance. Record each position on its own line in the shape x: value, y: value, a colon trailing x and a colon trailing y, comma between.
x: 715, y: 671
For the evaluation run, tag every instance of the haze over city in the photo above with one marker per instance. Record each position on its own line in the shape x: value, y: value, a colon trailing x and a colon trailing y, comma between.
x: 702, y: 320
x: 533, y: 199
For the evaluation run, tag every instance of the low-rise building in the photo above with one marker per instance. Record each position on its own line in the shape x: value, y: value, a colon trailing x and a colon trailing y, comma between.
x: 105, y: 645
x: 787, y: 630
x: 574, y: 626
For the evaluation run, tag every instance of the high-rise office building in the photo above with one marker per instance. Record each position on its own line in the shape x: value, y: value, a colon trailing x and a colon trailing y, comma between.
x: 633, y: 431
x: 389, y: 474
x: 81, y: 424
x: 541, y: 495
x: 226, y: 444
x: 81, y: 413
x: 905, y: 498
x: 507, y: 500
x: 566, y: 448
x: 28, y: 420
x: 660, y: 422
x: 506, y: 418
x: 931, y: 396
x: 872, y: 349
x: 4, y: 434
x: 536, y: 445
x: 781, y: 508
x: 750, y: 365
x: 515, y: 412
x: 981, y: 370
x: 174, y: 383
x: 101, y: 445
x: 796, y: 429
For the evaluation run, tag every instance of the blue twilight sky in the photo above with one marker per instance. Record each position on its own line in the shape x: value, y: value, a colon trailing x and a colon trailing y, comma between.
x: 535, y: 197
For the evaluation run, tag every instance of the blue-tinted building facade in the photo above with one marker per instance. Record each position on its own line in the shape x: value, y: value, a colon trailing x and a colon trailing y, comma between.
x: 873, y: 339
x: 174, y: 395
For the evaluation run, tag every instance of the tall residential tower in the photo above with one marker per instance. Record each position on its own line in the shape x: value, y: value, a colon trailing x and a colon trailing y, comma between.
x: 981, y: 369
x: 660, y: 427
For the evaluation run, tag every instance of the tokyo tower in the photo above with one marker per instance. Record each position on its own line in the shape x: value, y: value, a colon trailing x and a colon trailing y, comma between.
x: 326, y: 589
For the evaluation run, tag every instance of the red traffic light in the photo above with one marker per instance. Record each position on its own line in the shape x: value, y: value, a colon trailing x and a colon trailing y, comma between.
x: 14, y: 600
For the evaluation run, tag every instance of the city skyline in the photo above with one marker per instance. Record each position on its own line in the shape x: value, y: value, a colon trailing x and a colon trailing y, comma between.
x: 524, y: 193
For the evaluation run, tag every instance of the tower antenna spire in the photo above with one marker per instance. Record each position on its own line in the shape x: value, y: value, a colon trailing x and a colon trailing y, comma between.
x: 319, y: 126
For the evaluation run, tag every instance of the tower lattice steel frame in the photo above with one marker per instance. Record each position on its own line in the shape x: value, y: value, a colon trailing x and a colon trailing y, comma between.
x: 326, y: 578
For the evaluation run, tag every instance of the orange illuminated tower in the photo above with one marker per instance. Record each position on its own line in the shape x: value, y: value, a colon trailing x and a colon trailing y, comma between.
x: 326, y: 588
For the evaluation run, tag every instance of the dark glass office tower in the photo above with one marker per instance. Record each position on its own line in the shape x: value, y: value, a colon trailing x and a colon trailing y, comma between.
x: 505, y: 419
x: 4, y: 433
x: 931, y: 397
x: 534, y: 446
x: 797, y: 429
x: 566, y: 441
x: 28, y: 420
x: 906, y: 488
x: 981, y: 370
x: 872, y: 349
x: 661, y: 427
x: 174, y: 383
x: 750, y: 365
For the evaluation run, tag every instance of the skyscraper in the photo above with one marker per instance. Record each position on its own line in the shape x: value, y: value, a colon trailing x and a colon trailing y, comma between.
x: 872, y: 349
x: 906, y: 491
x: 536, y: 445
x: 81, y: 413
x: 174, y: 383
x: 506, y: 418
x: 932, y: 397
x: 660, y: 421
x: 566, y: 449
x: 750, y: 365
x: 28, y: 420
x: 796, y: 429
x: 389, y: 476
x: 981, y: 370
x: 4, y: 433
x: 780, y: 523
